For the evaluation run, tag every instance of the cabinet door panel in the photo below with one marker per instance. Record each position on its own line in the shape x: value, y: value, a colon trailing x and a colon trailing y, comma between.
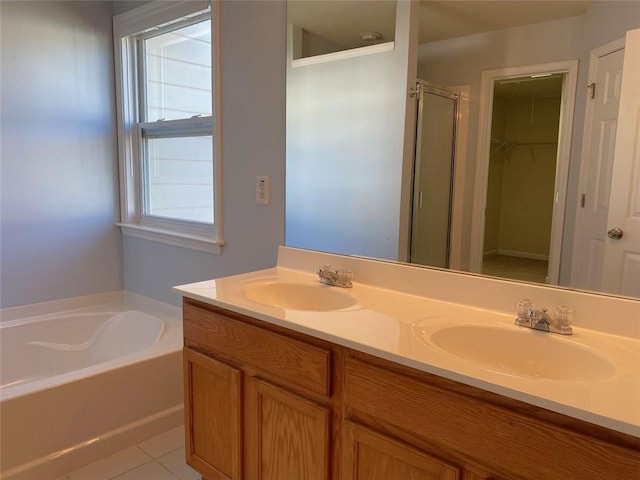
x: 369, y: 455
x: 213, y: 417
x: 287, y: 436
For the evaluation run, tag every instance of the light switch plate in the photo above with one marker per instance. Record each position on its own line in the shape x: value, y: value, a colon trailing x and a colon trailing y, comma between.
x: 262, y: 190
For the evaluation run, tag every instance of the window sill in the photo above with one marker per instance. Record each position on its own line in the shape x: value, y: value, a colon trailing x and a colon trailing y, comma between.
x: 170, y: 237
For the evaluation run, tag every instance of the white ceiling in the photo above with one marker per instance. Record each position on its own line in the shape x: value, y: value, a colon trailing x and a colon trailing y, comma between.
x: 342, y: 20
x: 440, y: 20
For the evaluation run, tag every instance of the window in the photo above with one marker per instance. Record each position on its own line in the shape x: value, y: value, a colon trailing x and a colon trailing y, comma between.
x: 168, y: 142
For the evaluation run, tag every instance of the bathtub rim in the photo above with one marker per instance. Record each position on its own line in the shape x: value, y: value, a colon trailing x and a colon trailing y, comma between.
x: 170, y: 340
x: 62, y: 305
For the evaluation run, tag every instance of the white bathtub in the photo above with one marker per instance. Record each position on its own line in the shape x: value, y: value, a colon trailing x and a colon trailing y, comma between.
x: 85, y: 380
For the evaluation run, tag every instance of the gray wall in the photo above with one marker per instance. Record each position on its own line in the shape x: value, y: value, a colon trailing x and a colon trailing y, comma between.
x: 59, y: 161
x: 253, y: 125
x: 345, y: 196
x: 59, y: 176
x: 121, y: 6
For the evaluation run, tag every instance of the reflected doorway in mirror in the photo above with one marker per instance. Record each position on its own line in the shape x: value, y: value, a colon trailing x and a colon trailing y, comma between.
x: 525, y: 191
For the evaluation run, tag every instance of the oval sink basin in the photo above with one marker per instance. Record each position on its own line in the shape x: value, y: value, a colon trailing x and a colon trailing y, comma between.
x: 295, y: 296
x: 520, y: 352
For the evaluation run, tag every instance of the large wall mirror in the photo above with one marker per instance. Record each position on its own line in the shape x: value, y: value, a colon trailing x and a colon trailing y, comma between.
x: 480, y: 136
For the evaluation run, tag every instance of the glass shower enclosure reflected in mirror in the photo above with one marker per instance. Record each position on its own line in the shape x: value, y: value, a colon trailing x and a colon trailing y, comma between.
x: 436, y: 126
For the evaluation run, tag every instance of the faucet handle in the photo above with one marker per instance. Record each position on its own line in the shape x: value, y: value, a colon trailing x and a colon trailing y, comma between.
x: 345, y: 276
x: 524, y: 308
x: 564, y: 317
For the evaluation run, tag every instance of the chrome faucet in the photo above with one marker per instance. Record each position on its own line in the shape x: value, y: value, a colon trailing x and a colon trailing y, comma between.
x: 340, y: 277
x: 540, y: 320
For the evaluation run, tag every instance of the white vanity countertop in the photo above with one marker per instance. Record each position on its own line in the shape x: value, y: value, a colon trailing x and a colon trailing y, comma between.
x: 388, y: 324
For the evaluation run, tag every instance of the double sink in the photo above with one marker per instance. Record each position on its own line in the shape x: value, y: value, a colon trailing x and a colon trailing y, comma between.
x: 502, y: 348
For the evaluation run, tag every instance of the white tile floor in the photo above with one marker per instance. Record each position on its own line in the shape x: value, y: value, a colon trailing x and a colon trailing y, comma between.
x: 160, y: 458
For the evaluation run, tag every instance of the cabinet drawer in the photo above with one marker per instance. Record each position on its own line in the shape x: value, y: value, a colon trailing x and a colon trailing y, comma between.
x: 288, y: 359
x: 509, y: 443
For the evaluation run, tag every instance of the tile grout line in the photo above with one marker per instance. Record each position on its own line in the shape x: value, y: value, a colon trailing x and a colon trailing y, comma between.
x: 131, y: 469
x: 170, y: 472
x: 125, y: 471
x: 149, y: 458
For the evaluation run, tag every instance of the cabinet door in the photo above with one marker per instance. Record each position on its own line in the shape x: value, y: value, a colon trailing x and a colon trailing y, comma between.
x: 369, y: 455
x: 213, y: 392
x: 287, y: 436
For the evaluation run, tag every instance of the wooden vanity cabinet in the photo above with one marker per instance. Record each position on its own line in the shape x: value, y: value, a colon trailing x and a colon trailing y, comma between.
x: 488, y: 435
x: 264, y: 402
x: 257, y: 403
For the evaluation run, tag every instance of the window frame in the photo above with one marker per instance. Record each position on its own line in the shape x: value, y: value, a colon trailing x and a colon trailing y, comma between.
x: 130, y: 28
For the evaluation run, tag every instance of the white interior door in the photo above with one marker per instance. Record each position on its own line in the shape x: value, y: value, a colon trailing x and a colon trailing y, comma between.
x: 605, y: 77
x: 621, y: 270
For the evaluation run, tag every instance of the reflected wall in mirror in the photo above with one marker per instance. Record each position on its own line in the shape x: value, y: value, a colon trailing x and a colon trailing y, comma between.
x: 351, y: 136
x: 353, y: 24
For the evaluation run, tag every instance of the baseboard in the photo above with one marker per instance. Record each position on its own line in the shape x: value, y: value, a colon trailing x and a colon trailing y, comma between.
x: 513, y: 253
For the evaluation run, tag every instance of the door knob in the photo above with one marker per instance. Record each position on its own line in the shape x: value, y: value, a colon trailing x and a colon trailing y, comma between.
x: 615, y: 233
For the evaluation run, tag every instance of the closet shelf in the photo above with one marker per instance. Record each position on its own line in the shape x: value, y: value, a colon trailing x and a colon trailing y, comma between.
x: 505, y: 146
